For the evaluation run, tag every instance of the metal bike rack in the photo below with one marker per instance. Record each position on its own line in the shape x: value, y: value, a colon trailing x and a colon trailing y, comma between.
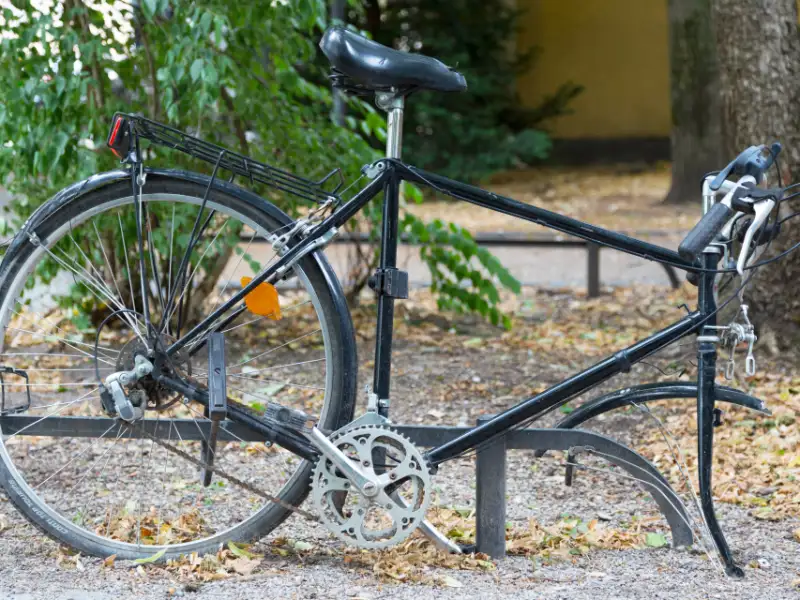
x: 490, y: 464
x: 490, y: 475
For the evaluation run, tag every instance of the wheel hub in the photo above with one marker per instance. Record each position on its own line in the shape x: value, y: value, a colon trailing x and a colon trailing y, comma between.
x: 157, y: 396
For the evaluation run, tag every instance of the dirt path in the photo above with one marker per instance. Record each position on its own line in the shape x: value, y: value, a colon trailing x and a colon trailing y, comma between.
x: 471, y: 373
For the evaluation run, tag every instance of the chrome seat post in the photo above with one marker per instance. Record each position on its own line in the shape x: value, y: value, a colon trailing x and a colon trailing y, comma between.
x: 393, y: 104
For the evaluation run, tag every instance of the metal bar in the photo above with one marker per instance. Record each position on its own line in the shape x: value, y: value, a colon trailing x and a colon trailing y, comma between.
x: 394, y: 127
x: 490, y: 497
x: 543, y: 217
x: 482, y: 238
x: 563, y: 392
x: 385, y: 324
x: 593, y: 270
x: 93, y: 427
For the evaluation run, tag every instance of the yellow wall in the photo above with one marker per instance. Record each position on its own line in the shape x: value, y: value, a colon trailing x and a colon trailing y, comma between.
x: 617, y: 49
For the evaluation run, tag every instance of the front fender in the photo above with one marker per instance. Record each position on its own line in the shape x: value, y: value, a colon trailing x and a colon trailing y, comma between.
x: 651, y: 392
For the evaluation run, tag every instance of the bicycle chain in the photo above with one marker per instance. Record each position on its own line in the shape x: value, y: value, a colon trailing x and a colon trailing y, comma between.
x: 232, y: 478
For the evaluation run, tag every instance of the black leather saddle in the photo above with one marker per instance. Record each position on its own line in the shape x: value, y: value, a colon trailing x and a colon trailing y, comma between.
x: 374, y: 67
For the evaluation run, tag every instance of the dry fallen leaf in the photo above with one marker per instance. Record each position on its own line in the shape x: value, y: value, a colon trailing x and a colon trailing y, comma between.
x: 448, y: 581
x: 243, y: 566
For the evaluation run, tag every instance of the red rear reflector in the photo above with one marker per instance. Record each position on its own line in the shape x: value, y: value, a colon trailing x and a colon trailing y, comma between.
x: 113, y: 137
x: 118, y: 137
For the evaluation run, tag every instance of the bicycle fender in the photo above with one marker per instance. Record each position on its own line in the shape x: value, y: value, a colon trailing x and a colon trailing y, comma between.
x: 81, y: 188
x: 650, y: 392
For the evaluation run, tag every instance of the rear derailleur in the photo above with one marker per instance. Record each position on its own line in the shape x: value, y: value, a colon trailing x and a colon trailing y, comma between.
x: 116, y: 402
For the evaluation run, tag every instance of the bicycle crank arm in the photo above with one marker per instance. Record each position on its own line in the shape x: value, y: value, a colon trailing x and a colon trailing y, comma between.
x: 366, y: 485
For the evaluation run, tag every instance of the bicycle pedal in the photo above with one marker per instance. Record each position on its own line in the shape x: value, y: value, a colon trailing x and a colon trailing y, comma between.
x: 5, y: 410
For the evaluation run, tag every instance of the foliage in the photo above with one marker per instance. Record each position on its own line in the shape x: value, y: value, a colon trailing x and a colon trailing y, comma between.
x: 240, y: 75
x: 470, y: 135
x: 464, y: 276
x: 190, y: 64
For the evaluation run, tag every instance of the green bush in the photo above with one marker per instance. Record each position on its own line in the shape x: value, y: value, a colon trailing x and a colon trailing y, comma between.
x: 470, y: 135
x: 243, y: 75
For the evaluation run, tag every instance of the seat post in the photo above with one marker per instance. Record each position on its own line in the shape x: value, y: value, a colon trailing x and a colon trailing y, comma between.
x: 393, y: 104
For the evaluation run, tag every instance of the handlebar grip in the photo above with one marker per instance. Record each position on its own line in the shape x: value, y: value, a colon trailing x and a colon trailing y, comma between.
x: 705, y: 230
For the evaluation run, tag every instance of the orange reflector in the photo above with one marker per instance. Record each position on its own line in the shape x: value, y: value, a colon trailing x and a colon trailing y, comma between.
x: 263, y: 300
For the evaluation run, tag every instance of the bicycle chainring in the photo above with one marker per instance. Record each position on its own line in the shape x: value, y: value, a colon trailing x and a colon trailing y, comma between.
x: 400, y: 506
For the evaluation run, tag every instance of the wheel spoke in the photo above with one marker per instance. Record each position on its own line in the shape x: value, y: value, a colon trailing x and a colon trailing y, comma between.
x: 76, y: 457
x: 270, y: 351
x: 70, y: 331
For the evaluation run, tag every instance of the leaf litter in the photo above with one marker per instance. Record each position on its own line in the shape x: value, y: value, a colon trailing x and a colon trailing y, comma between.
x: 756, y: 461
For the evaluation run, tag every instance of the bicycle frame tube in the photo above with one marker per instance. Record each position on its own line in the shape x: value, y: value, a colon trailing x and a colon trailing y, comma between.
x: 397, y: 172
x: 565, y: 391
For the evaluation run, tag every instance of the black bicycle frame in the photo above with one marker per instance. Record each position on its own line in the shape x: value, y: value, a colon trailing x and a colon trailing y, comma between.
x: 391, y: 174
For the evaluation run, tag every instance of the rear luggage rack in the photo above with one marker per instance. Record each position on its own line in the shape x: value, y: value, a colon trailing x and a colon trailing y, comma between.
x: 127, y: 129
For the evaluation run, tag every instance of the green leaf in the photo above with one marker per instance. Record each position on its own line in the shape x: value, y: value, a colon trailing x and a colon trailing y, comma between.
x: 56, y: 150
x: 655, y: 540
x: 196, y: 69
x: 152, y: 558
x: 241, y: 552
x: 150, y: 7
x: 205, y: 22
x: 210, y: 75
x: 301, y: 546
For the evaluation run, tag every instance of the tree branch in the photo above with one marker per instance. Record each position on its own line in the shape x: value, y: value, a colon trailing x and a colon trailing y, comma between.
x: 237, y: 122
x: 151, y: 65
x: 99, y: 94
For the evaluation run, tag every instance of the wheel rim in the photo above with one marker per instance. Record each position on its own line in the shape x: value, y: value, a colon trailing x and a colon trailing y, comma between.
x: 195, y: 522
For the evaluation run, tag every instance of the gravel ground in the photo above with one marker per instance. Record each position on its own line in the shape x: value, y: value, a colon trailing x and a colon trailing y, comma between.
x: 29, y: 569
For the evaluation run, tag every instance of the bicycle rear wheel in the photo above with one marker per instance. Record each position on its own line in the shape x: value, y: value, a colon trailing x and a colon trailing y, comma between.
x: 118, y: 493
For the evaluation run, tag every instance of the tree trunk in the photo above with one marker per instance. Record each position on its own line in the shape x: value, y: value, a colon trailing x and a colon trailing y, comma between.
x: 758, y: 50
x: 696, y: 130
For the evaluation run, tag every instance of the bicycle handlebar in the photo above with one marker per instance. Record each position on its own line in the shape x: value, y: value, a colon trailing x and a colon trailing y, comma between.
x: 704, y: 231
x: 742, y: 196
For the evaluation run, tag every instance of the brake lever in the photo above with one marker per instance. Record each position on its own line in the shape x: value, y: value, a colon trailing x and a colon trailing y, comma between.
x: 761, y: 212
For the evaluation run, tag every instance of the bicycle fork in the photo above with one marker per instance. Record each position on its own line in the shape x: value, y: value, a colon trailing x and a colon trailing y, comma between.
x: 706, y: 410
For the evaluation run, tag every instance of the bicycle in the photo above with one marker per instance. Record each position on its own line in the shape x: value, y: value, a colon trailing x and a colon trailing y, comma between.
x: 369, y: 485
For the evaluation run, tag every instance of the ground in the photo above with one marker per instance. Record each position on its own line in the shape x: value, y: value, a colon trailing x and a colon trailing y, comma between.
x: 573, y: 542
x: 602, y: 537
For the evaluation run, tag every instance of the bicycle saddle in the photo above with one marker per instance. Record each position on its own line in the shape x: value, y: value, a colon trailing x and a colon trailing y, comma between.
x: 376, y: 67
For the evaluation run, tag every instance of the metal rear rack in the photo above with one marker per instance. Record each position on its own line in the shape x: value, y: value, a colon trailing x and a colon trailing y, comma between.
x: 126, y: 129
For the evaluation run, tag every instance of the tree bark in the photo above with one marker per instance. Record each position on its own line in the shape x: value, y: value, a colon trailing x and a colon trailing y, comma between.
x: 696, y: 129
x: 758, y: 51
